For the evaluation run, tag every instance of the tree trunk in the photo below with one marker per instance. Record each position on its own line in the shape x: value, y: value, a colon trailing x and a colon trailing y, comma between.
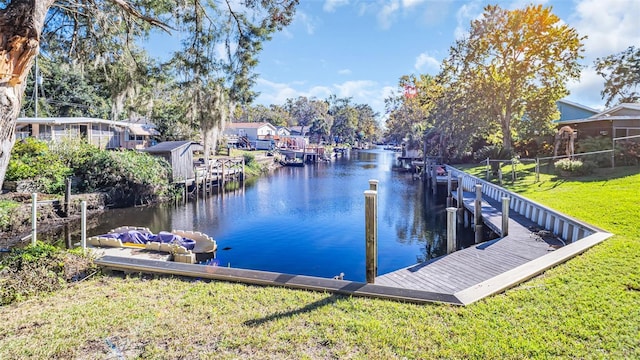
x: 505, y: 124
x: 20, y: 28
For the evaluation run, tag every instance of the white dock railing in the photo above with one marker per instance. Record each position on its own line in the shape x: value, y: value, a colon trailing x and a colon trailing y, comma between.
x: 563, y: 226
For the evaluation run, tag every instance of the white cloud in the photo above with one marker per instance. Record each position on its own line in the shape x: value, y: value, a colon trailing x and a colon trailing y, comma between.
x: 274, y: 93
x: 344, y: 72
x: 387, y: 14
x: 427, y: 63
x: 355, y: 89
x: 332, y: 5
x: 411, y: 3
x: 361, y: 91
x: 307, y: 21
x: 586, y: 91
x: 610, y: 27
x: 464, y: 15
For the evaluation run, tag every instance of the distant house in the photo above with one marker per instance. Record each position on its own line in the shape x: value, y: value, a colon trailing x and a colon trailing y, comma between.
x: 105, y: 134
x: 620, y: 121
x: 179, y: 154
x: 282, y: 131
x: 252, y: 131
x: 570, y: 110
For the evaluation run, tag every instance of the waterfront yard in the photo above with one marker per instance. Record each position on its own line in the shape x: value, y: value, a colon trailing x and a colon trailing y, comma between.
x: 586, y: 308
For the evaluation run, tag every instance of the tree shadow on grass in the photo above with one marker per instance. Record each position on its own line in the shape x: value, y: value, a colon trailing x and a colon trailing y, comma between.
x: 307, y: 308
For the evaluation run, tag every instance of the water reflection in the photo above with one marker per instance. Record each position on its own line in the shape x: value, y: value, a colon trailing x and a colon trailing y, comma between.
x: 309, y: 220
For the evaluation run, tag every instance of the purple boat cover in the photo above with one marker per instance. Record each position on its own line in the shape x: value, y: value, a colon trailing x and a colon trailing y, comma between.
x: 143, y: 237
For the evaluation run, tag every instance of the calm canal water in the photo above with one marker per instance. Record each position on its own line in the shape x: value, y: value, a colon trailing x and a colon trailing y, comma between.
x: 310, y: 220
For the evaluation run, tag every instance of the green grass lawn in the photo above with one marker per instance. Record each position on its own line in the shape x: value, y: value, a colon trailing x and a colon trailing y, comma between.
x: 587, y: 308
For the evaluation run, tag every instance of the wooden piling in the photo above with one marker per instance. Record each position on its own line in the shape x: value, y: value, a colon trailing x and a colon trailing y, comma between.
x: 505, y: 216
x: 478, y: 234
x: 222, y: 181
x: 537, y: 170
x: 371, y: 235
x: 373, y: 185
x: 434, y: 179
x: 477, y: 209
x: 449, y: 189
x: 452, y: 241
x: 67, y: 195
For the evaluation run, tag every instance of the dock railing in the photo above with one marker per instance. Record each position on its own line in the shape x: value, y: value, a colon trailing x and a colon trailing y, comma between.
x: 563, y: 226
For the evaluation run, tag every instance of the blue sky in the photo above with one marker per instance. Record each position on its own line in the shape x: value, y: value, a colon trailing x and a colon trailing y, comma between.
x: 360, y: 48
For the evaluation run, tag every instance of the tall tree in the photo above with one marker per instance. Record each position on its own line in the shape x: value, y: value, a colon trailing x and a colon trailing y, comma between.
x: 305, y: 110
x: 223, y: 78
x: 515, y: 62
x: 100, y: 31
x: 621, y: 73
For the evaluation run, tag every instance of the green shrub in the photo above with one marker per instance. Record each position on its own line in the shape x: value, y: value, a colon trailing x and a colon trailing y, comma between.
x: 248, y: 159
x: 6, y: 207
x: 574, y: 167
x: 42, y: 268
x: 591, y: 144
x: 130, y: 177
x: 73, y: 151
x: 31, y: 159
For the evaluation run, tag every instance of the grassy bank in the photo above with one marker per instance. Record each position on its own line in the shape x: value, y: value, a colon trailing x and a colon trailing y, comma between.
x: 586, y: 308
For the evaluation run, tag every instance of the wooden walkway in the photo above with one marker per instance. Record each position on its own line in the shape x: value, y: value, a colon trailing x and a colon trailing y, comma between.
x: 472, y: 271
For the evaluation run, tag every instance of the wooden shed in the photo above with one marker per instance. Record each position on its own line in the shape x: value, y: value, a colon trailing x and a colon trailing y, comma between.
x: 179, y: 154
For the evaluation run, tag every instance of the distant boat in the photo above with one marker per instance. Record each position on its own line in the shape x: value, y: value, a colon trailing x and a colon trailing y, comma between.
x: 292, y: 162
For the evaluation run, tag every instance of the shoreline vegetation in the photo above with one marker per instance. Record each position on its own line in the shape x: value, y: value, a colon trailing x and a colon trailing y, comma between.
x: 15, y: 207
x: 588, y: 307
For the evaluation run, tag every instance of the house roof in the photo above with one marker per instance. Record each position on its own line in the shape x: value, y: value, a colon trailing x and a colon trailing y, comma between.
x: 143, y: 129
x: 67, y: 120
x: 135, y: 128
x: 579, y: 106
x: 249, y: 125
x: 625, y: 111
x: 168, y: 146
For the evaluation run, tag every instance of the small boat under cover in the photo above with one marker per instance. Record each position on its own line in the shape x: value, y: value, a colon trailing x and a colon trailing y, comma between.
x: 183, y: 245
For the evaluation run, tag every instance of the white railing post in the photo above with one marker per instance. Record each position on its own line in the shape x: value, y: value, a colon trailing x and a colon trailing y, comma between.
x: 460, y: 193
x: 34, y: 218
x: 83, y: 226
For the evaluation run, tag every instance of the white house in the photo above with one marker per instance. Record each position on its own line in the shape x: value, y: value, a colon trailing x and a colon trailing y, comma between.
x: 106, y: 134
x: 252, y: 131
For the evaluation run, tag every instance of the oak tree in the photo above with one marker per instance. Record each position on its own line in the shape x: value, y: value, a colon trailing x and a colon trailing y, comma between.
x: 621, y: 73
x: 513, y: 63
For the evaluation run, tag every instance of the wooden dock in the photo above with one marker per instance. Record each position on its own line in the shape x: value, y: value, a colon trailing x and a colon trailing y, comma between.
x: 489, y: 267
x: 467, y: 267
